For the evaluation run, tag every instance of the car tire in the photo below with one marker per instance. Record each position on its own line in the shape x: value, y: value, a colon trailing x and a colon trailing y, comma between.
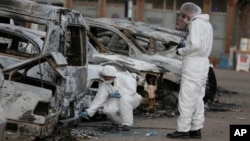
x: 211, y: 87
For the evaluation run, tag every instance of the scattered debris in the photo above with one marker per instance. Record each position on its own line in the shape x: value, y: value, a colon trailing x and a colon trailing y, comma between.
x: 151, y: 133
x: 221, y: 91
x: 221, y: 107
x: 241, y: 118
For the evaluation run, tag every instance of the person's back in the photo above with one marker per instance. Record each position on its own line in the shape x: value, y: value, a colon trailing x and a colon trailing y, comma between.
x: 201, y: 31
x: 126, y: 83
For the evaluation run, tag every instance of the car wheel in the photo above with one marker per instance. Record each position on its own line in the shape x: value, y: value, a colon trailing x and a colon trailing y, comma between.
x: 211, y: 87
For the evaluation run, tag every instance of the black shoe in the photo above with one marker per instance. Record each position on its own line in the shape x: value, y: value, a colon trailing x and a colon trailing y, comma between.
x: 196, y: 134
x: 178, y: 135
x: 125, y: 128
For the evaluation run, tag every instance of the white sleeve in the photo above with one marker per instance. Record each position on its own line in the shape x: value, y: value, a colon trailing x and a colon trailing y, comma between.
x: 100, y: 98
x: 194, y: 39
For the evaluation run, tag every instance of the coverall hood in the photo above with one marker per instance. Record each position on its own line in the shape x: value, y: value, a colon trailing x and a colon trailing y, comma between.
x: 190, y: 9
x: 109, y: 71
x: 201, y: 16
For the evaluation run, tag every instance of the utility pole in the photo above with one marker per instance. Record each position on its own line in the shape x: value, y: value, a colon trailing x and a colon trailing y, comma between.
x: 129, y: 9
x: 139, y: 10
x: 102, y: 8
x: 68, y: 4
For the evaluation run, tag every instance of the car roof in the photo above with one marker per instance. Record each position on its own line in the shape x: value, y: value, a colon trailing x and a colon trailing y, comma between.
x: 31, y: 34
x: 143, y: 29
x: 45, y: 12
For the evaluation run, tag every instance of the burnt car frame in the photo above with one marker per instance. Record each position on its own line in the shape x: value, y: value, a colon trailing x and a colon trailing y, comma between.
x: 60, y: 30
x: 33, y: 105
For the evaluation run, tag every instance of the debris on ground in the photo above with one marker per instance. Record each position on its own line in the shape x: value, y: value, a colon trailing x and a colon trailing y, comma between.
x: 99, y: 127
x: 221, y: 91
x: 221, y: 107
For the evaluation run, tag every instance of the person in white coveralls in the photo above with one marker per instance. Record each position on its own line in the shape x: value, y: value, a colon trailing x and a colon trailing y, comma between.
x: 118, y: 95
x: 195, y: 67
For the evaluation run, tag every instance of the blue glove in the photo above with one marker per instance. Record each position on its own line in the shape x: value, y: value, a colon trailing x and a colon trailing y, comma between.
x: 180, y: 45
x: 115, y: 94
x: 84, y: 114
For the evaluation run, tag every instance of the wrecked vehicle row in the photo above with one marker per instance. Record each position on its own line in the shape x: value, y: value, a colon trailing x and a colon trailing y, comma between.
x: 149, y: 44
x: 52, y: 72
x: 149, y: 74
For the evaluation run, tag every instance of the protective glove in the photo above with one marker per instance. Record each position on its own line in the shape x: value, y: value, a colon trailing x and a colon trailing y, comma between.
x: 115, y: 94
x: 180, y: 45
x: 84, y: 115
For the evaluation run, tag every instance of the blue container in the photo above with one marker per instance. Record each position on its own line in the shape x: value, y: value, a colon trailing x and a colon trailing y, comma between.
x: 224, y: 61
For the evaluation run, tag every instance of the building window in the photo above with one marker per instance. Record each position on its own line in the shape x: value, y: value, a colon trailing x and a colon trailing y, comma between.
x: 120, y: 1
x: 116, y: 1
x: 58, y: 4
x: 198, y: 2
x: 156, y: 4
x: 170, y: 4
x: 219, y: 6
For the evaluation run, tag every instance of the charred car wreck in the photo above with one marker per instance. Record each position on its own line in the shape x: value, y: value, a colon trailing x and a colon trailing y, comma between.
x: 33, y: 105
x: 44, y: 60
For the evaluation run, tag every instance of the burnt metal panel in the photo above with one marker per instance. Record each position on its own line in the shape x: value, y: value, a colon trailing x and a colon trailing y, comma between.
x: 76, y: 82
x: 21, y: 100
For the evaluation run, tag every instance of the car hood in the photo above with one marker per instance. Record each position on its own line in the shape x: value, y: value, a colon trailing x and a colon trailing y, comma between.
x: 167, y: 64
x: 131, y: 64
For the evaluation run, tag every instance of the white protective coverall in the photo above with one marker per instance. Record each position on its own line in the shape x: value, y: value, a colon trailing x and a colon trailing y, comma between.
x: 118, y: 110
x: 195, y: 67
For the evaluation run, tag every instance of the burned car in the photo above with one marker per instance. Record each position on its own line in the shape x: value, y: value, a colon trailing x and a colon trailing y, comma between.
x: 148, y: 44
x: 33, y: 105
x: 31, y: 30
x: 18, y: 44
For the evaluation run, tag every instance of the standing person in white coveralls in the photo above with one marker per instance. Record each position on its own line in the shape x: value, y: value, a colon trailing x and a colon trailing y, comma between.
x: 118, y: 96
x: 195, y: 66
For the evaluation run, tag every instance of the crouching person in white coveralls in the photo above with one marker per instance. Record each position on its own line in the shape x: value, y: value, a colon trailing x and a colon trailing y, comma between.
x: 119, y: 97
